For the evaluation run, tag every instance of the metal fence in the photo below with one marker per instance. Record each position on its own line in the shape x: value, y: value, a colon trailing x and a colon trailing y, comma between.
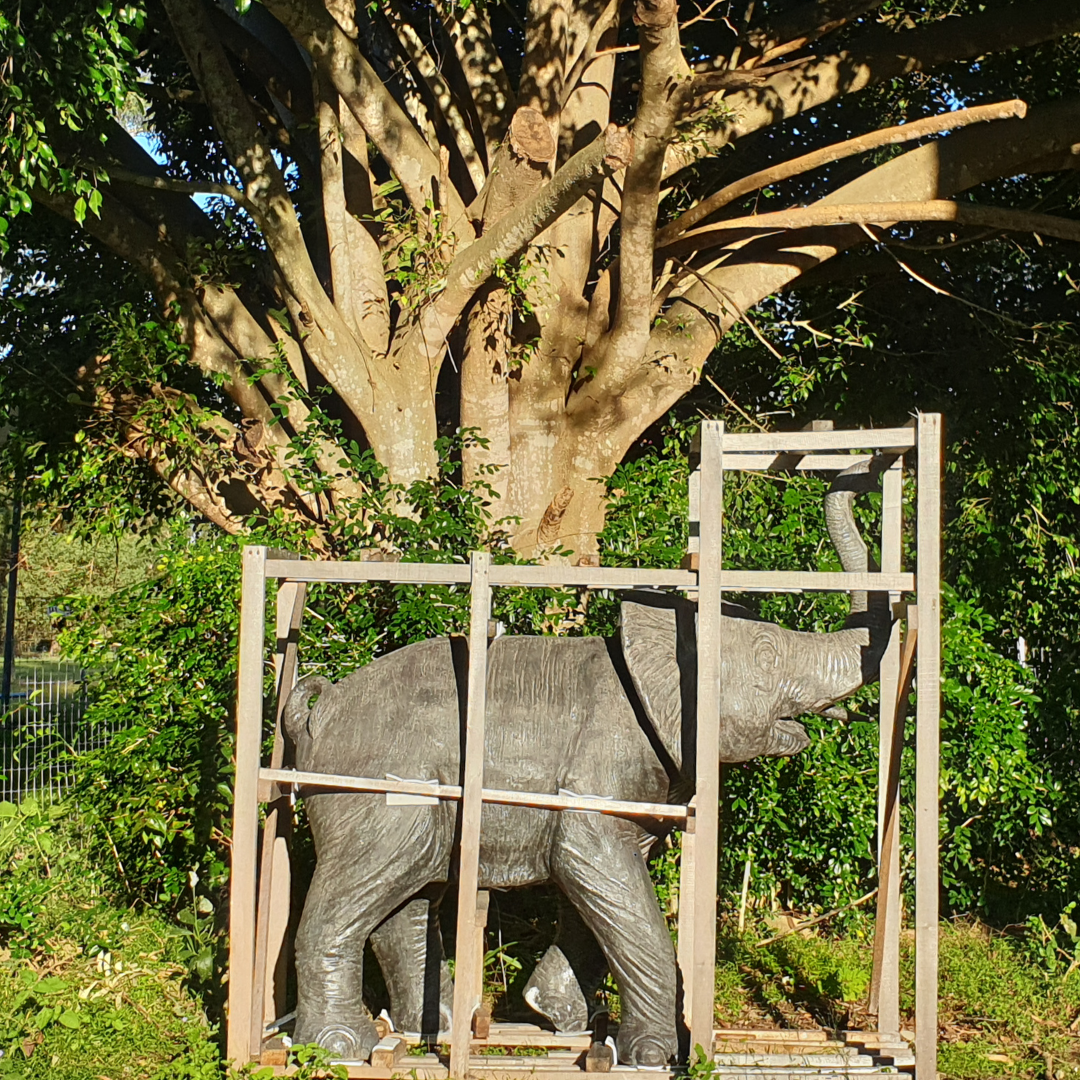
x: 43, y: 728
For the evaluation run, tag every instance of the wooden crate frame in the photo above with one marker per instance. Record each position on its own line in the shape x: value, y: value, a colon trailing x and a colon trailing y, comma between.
x: 259, y: 899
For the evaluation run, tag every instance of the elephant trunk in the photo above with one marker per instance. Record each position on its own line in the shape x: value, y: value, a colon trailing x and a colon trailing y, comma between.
x: 851, y: 657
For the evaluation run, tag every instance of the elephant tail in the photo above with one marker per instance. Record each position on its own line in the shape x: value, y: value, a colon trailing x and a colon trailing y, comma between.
x: 298, y: 707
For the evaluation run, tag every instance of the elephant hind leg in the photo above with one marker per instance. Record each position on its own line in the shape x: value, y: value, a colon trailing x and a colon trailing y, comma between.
x: 371, y: 861
x: 409, y: 949
x: 563, y: 985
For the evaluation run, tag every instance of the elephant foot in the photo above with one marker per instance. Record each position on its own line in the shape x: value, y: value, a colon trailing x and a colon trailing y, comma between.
x: 646, y: 1050
x: 553, y: 991
x: 411, y: 1021
x: 347, y: 1044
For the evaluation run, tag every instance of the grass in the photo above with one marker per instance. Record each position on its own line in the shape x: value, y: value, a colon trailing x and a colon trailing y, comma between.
x: 87, y: 987
x: 1004, y: 1012
x: 90, y: 988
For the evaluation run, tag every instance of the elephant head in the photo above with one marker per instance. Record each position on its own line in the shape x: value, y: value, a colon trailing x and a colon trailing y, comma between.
x: 768, y: 673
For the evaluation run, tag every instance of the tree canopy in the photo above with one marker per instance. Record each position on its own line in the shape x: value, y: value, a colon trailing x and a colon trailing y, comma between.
x: 286, y: 260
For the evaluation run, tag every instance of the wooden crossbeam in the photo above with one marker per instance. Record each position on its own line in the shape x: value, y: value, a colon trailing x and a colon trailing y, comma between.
x: 536, y: 800
x: 780, y: 442
x: 598, y: 577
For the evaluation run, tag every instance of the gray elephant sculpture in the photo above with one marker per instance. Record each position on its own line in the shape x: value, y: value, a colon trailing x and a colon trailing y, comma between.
x: 581, y: 715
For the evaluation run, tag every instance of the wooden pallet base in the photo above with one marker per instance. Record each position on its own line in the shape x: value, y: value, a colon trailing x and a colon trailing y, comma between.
x: 742, y: 1053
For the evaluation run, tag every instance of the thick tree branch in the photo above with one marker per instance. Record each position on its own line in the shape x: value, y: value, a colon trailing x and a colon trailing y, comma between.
x: 889, y: 136
x: 219, y: 329
x: 544, y: 64
x: 450, y: 110
x: 389, y: 128
x: 180, y: 187
x: 693, y: 325
x: 797, y: 28
x: 264, y: 188
x: 356, y: 269
x: 482, y: 68
x: 585, y: 57
x: 665, y: 90
x: 877, y: 58
x: 423, y: 347
x: 887, y: 214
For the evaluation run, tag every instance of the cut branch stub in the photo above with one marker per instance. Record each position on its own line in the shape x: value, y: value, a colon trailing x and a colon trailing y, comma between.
x: 619, y: 146
x: 655, y: 15
x: 530, y: 136
x: 548, y: 532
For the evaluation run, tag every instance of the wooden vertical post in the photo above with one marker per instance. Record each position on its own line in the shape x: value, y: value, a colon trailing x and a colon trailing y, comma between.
x: 468, y: 967
x: 885, y: 984
x: 702, y: 974
x: 249, y: 712
x: 927, y: 728
x: 685, y: 949
x: 274, y: 865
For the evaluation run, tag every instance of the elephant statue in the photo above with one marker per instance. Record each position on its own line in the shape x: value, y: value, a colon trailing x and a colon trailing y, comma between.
x: 585, y: 715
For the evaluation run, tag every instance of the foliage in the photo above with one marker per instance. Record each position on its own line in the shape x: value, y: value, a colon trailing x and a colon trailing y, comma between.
x: 30, y: 858
x: 792, y: 817
x: 164, y: 662
x: 55, y: 563
x: 82, y: 980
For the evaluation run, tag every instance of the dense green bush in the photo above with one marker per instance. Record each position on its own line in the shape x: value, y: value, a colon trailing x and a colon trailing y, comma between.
x: 808, y: 824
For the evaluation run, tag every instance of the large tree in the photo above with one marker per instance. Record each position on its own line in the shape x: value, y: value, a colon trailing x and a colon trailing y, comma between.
x: 361, y: 226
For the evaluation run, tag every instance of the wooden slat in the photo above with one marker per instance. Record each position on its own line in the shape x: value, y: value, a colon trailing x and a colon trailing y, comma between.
x: 468, y: 966
x: 245, y: 804
x: 927, y: 735
x: 415, y: 573
x: 794, y: 441
x: 799, y: 462
x: 702, y: 973
x: 600, y: 577
x: 885, y: 981
x: 274, y: 867
x: 685, y: 945
x: 492, y: 795
x: 812, y: 581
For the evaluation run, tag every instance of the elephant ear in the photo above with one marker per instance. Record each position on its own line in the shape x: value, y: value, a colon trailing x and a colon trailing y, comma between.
x: 650, y: 643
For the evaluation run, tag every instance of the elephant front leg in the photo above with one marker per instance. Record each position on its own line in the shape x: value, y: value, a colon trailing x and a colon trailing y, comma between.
x: 409, y: 949
x: 599, y: 866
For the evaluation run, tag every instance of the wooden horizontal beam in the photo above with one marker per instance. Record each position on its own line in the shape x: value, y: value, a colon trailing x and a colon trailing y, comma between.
x: 537, y: 800
x: 800, y: 462
x: 779, y: 442
x: 344, y: 571
x: 597, y: 577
